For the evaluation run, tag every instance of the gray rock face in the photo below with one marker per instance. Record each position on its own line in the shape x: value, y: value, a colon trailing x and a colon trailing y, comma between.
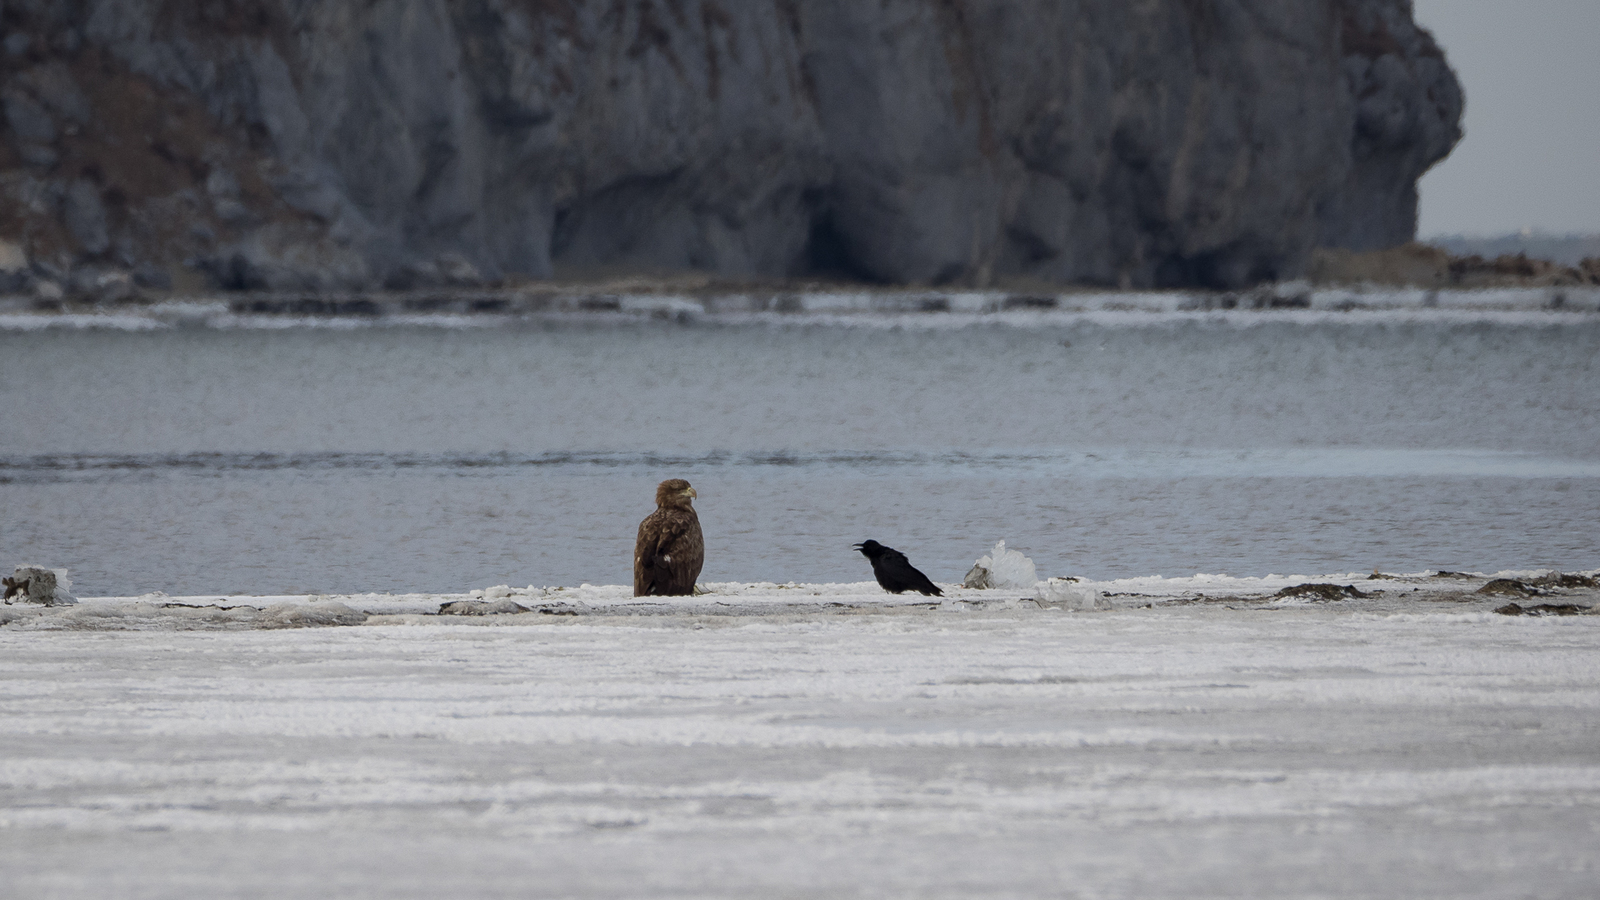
x: 1211, y: 142
x: 85, y: 217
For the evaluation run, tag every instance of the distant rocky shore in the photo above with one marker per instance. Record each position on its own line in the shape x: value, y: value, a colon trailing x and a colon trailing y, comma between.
x: 1350, y: 276
x: 1427, y: 266
x: 153, y: 148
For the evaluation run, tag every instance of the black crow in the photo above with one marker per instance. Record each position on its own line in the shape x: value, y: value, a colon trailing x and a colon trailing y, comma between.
x: 894, y: 572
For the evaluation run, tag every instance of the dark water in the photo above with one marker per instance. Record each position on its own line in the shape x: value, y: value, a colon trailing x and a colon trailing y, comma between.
x: 200, y: 460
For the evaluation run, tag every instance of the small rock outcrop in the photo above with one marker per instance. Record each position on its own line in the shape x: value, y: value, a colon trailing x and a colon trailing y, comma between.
x: 1325, y: 592
x: 1544, y: 609
x: 1510, y: 587
x: 269, y: 144
x: 36, y: 584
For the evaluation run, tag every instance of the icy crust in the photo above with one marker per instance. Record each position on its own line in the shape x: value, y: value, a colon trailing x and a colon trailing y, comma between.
x: 1534, y: 592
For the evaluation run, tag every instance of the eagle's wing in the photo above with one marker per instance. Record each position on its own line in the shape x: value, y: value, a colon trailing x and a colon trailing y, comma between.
x: 668, y: 553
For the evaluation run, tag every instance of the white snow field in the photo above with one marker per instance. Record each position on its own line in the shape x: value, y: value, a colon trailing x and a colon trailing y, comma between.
x: 1199, y: 737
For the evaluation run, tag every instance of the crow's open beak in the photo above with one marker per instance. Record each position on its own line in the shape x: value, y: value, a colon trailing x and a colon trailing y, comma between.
x: 857, y: 546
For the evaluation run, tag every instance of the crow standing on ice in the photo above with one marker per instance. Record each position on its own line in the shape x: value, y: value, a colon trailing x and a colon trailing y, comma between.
x: 894, y: 572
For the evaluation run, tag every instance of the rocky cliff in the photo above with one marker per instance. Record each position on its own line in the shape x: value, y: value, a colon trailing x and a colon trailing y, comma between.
x: 295, y: 144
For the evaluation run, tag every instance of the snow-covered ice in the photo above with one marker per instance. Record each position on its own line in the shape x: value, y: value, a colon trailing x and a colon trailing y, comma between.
x: 1069, y: 593
x: 1199, y: 737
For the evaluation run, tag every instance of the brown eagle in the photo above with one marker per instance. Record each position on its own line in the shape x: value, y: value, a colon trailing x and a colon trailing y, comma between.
x: 670, y: 549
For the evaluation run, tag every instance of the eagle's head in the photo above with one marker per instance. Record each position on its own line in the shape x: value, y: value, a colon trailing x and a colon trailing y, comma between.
x: 675, y: 492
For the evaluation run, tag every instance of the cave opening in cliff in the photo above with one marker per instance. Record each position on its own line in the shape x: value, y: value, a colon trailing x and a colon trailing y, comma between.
x: 1224, y: 269
x: 827, y: 251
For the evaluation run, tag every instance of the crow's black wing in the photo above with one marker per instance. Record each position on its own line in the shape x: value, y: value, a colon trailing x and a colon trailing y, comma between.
x: 919, y: 582
x: 895, y: 574
x: 893, y: 556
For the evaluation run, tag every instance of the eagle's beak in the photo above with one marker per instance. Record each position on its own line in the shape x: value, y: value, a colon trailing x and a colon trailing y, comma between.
x: 691, y: 492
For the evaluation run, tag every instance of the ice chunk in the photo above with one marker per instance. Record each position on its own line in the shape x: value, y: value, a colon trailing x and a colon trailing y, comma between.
x: 309, y: 615
x: 1002, y: 568
x: 1067, y: 593
x: 503, y: 605
x: 37, y: 584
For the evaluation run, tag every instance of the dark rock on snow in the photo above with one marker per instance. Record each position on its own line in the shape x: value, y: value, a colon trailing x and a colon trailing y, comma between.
x: 1543, y: 609
x: 1566, y: 580
x: 287, y: 145
x: 1329, y: 592
x: 1510, y: 587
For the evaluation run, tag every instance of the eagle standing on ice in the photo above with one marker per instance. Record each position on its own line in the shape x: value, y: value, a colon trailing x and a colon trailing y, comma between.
x: 670, y: 549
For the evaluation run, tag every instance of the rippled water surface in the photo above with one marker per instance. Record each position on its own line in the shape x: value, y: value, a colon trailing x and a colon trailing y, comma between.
x: 313, y: 459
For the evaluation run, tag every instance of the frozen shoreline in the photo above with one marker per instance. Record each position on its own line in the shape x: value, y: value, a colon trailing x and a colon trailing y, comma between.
x: 1230, y: 745
x: 1455, y: 593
